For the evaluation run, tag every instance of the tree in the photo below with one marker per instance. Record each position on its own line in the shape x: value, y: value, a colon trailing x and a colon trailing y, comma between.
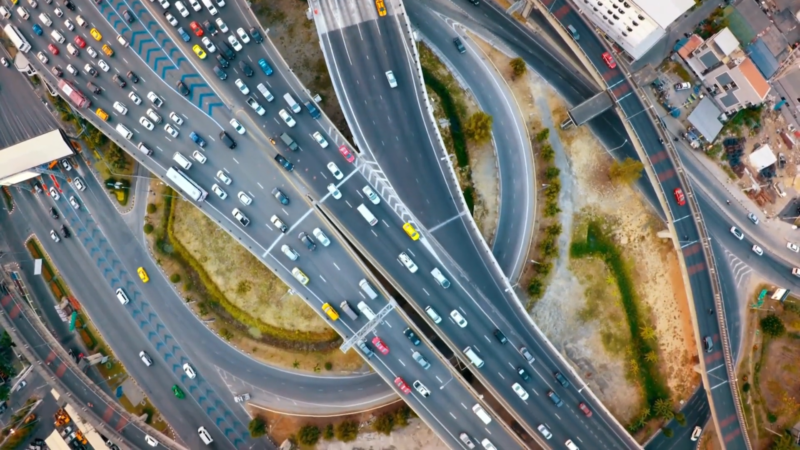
x: 327, y: 434
x: 535, y: 288
x: 548, y: 154
x: 668, y: 432
x: 772, y: 326
x: 347, y: 431
x: 680, y: 418
x: 401, y: 416
x: 552, y: 173
x: 478, y: 127
x: 4, y: 392
x: 648, y: 333
x: 784, y: 442
x: 663, y: 408
x: 651, y: 357
x: 518, y: 66
x: 151, y: 208
x: 625, y: 172
x: 384, y: 423
x: 543, y: 135
x: 308, y: 434
x: 257, y: 427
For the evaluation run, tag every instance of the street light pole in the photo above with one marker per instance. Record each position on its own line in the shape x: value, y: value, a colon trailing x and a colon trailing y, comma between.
x: 620, y: 146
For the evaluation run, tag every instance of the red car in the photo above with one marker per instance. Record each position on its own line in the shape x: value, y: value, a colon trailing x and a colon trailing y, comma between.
x: 196, y: 28
x: 678, y: 192
x: 81, y: 43
x: 346, y: 153
x: 402, y: 385
x: 609, y: 60
x: 53, y: 49
x: 378, y: 343
x: 583, y: 408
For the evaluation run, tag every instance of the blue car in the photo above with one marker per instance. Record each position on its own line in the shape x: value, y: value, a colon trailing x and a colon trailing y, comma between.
x: 183, y: 34
x: 37, y: 29
x: 197, y: 139
x: 265, y: 67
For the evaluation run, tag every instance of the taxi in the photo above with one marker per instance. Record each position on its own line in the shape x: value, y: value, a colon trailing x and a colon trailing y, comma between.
x: 330, y: 311
x: 381, y: 7
x: 199, y: 52
x: 679, y: 197
x: 96, y: 34
x: 411, y: 232
x: 102, y: 114
x: 300, y: 276
x: 142, y: 274
x: 108, y: 50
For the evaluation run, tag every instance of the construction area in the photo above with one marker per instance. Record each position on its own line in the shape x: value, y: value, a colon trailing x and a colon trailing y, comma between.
x: 73, y: 433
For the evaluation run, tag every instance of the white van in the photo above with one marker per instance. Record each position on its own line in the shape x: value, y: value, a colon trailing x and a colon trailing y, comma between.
x: 367, y: 215
x: 124, y: 131
x: 5, y: 12
x: 210, y: 7
x: 81, y: 21
x: 22, y: 12
x: 58, y: 37
x: 482, y: 414
x: 204, y: 436
x: 143, y: 148
x: 368, y: 289
x: 473, y: 357
x: 433, y: 314
x: 122, y: 297
x: 292, y: 104
x: 366, y: 310
x: 439, y: 276
x: 45, y: 19
x: 265, y: 92
x: 182, y: 161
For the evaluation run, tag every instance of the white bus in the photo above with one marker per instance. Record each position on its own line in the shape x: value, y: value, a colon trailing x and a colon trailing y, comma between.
x: 186, y: 184
x: 17, y: 38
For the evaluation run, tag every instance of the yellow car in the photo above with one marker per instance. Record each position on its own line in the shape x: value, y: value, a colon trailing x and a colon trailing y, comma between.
x: 101, y: 114
x: 108, y: 50
x: 143, y: 275
x: 300, y: 276
x: 330, y: 311
x: 381, y: 7
x: 411, y: 232
x: 199, y: 52
x: 96, y: 34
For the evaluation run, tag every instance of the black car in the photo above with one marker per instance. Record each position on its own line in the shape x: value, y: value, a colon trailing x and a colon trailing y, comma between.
x: 68, y: 4
x: 500, y: 336
x: 182, y: 89
x: 223, y: 62
x: 120, y: 82
x: 53, y: 213
x: 306, y: 239
x: 284, y: 162
x: 223, y: 136
x: 65, y: 231
x: 128, y: 16
x: 220, y: 73
x: 226, y: 51
x: 280, y: 196
x: 133, y: 77
x: 57, y: 71
x: 212, y: 30
x: 95, y: 89
x: 248, y: 71
x: 256, y: 35
x: 411, y: 336
x: 561, y: 379
x: 91, y: 71
x: 523, y: 374
x: 459, y: 45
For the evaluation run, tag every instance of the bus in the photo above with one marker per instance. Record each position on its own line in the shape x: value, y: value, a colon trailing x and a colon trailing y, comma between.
x: 186, y: 184
x: 74, y: 94
x: 17, y: 38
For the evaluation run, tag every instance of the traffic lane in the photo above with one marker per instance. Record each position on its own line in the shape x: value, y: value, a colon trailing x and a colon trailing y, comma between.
x: 696, y: 412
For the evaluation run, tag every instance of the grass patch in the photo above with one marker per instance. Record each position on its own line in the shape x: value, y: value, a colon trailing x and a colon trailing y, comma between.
x: 681, y: 71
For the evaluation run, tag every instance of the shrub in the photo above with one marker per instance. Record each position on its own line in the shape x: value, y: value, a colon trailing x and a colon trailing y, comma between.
x: 625, y: 172
x: 680, y: 418
x: 668, y: 432
x: 552, y: 173
x: 175, y: 278
x: 327, y: 433
x: 544, y: 269
x: 478, y: 127
x: 347, y: 431
x: 548, y: 154
x: 535, y: 288
x: 148, y: 228
x: 771, y: 417
x: 746, y: 387
x: 518, y: 67
x: 328, y: 365
x: 226, y: 334
x: 384, y: 423
x: 151, y: 208
x: 401, y: 416
x: 451, y: 111
x: 551, y: 209
x: 308, y: 435
x: 772, y: 326
x: 543, y: 135
x: 469, y: 197
x: 257, y: 427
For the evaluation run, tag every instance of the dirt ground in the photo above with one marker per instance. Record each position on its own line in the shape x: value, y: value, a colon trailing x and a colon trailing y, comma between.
x: 580, y: 312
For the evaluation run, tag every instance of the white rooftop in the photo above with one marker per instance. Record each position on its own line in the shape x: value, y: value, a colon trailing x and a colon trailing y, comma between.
x: 664, y: 12
x: 762, y: 157
x: 726, y: 41
x: 33, y: 152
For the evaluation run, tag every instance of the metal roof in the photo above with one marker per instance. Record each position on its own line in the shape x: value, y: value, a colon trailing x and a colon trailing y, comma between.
x: 762, y: 58
x: 705, y: 118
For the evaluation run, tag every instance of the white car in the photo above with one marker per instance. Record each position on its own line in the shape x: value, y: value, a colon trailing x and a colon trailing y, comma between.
x: 78, y: 183
x: 234, y: 43
x: 290, y: 252
x: 391, y: 78
x: 209, y: 45
x: 74, y: 202
x: 199, y: 157
x: 423, y: 391
x: 458, y: 318
x: 521, y: 392
x: 195, y: 5
x: 154, y: 116
x: 334, y: 192
x: 42, y: 57
x: 218, y: 190
x: 146, y: 123
x: 92, y: 52
x: 320, y: 140
x: 287, y: 118
x: 406, y: 260
x: 237, y: 126
x: 69, y: 25
x: 300, y: 276
x: 54, y: 236
x: 321, y: 237
x: 242, y: 87
x: 151, y: 441
x: 171, y: 130
x: 736, y: 232
x: 176, y: 118
x: 102, y: 64
x: 65, y: 164
x: 54, y: 194
x: 58, y: 12
x: 238, y: 215
x: 135, y: 98
x: 371, y: 195
x: 335, y: 170
x: 224, y: 178
x: 545, y: 431
x: 222, y: 27
x: 243, y: 35
x: 793, y: 247
x: 758, y: 250
x: 189, y: 371
x: 244, y: 198
x: 256, y: 107
x: 164, y: 4
x: 696, y: 433
x: 181, y: 9
x: 71, y: 69
x: 172, y: 20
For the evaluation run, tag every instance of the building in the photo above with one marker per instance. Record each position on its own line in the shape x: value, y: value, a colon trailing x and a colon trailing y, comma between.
x: 732, y: 79
x: 636, y: 26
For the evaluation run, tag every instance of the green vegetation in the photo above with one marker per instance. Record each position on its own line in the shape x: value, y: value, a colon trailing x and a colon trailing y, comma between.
x: 469, y: 198
x: 449, y: 107
x: 257, y: 427
x: 543, y: 135
x: 327, y: 433
x: 772, y: 326
x: 308, y: 435
x: 518, y: 67
x: 668, y: 432
x: 384, y: 424
x: 148, y: 228
x: 175, y: 278
x: 478, y: 127
x: 347, y: 431
x: 748, y: 117
x: 151, y: 208
x: 625, y: 172
x: 120, y: 188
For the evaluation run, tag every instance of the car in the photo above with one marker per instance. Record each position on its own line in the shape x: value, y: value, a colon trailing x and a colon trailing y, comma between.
x: 151, y: 441
x: 321, y: 237
x: 334, y: 192
x: 182, y: 88
x: 176, y: 118
x: 402, y: 385
x: 58, y: 12
x: 154, y: 116
x: 682, y: 86
x: 177, y: 392
x: 609, y: 60
x: 284, y: 162
x: 256, y: 107
x: 419, y: 387
x: 300, y: 276
x: 197, y: 139
x: 199, y: 157
x: 184, y: 35
x: 458, y: 318
x: 737, y: 233
x: 128, y: 16
x: 246, y: 69
x: 793, y: 247
x: 334, y: 169
x: 171, y: 19
x: 238, y: 215
x: 346, y: 154
x: 54, y: 194
x: 164, y: 4
x: 753, y: 218
x: 421, y: 360
x: 65, y: 231
x: 120, y: 82
x: 320, y: 140
x: 121, y: 108
x: 210, y: 28
x: 171, y: 130
x: 243, y: 35
x: 526, y: 354
x: 199, y: 52
x: 146, y: 123
x: 37, y: 29
x: 696, y: 433
x: 155, y: 99
x: 409, y: 333
x: 307, y: 241
x: 679, y: 197
x: 218, y: 190
x: 561, y: 379
x: 209, y: 45
x: 279, y: 224
x: 290, y: 252
x: 135, y: 98
x: 520, y: 391
x: 143, y: 274
x: 234, y: 43
x: 287, y: 118
x: 181, y: 9
x: 408, y: 262
x: 78, y: 183
x: 381, y: 7
x: 237, y: 126
x: 487, y: 445
x: 57, y: 71
x: 500, y: 336
x: 757, y: 250
x: 244, y: 198
x: 65, y: 164
x: 103, y: 65
x: 53, y: 49
x: 371, y: 195
x: 196, y: 28
x: 391, y: 78
x: 545, y: 431
x: 523, y: 373
x: 54, y: 236
x: 411, y: 231
x: 459, y: 46
x: 265, y: 67
x: 108, y: 50
x: 80, y: 42
x: 586, y: 411
x: 555, y: 398
x: 92, y: 52
x: 256, y: 35
x: 96, y: 34
x: 69, y: 25
x: 280, y: 196
x: 189, y: 371
x: 222, y: 27
x: 380, y: 345
x: 466, y: 440
x: 242, y: 87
